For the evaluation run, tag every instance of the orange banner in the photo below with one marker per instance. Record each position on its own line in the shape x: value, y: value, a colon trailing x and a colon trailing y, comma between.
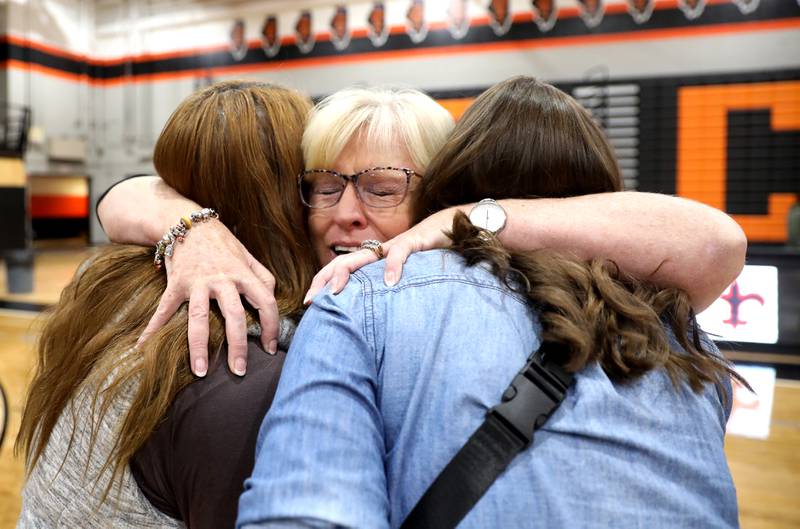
x: 702, y: 146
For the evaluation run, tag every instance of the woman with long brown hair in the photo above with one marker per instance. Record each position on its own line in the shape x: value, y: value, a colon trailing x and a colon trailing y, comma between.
x: 97, y: 405
x: 358, y: 431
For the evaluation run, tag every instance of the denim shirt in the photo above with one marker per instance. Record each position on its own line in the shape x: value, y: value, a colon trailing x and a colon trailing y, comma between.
x: 383, y: 385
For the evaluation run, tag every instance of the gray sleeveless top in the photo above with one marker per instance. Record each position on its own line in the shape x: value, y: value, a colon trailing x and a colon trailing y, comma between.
x: 65, y: 487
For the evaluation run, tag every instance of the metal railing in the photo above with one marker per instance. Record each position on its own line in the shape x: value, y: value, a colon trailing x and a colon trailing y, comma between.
x: 16, y: 120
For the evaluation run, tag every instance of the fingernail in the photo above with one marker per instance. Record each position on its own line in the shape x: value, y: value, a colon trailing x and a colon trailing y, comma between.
x: 390, y: 279
x: 273, y: 347
x: 239, y: 366
x: 200, y: 367
x: 307, y: 299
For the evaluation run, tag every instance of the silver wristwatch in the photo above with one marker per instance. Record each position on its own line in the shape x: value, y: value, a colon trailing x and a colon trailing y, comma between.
x: 488, y: 215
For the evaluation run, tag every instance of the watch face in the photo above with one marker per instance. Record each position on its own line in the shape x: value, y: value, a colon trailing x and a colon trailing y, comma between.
x: 489, y: 216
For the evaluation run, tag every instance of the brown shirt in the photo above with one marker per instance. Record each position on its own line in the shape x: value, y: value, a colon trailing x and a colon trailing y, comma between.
x: 194, y: 465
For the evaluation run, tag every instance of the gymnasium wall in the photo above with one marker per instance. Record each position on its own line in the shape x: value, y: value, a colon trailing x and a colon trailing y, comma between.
x: 699, y: 98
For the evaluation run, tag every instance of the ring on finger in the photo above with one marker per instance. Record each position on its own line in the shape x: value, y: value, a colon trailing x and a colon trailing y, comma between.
x: 375, y: 246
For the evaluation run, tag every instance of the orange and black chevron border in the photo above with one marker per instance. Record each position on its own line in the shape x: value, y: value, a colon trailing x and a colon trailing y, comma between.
x: 667, y: 21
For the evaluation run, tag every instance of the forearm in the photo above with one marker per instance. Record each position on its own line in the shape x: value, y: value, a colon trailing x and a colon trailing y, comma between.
x: 672, y: 242
x: 667, y: 240
x: 140, y: 210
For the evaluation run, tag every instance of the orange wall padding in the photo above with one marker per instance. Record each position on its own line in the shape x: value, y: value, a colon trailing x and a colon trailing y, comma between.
x: 456, y: 107
x: 44, y: 206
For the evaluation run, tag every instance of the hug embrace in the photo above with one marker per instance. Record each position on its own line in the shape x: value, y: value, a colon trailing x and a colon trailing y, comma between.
x: 496, y: 237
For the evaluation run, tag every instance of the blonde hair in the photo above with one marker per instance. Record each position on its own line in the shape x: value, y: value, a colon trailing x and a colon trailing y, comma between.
x: 383, y: 115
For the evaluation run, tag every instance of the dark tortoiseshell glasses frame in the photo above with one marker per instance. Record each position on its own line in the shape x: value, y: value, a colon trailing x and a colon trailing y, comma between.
x: 345, y: 178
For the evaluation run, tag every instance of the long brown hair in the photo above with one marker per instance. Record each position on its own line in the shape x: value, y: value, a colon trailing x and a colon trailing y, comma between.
x: 525, y: 138
x: 234, y: 146
x: 521, y: 138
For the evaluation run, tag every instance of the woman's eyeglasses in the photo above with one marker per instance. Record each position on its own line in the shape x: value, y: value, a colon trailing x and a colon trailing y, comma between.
x: 378, y: 187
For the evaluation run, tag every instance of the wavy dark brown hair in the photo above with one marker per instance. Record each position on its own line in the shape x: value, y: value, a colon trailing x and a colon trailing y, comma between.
x: 234, y: 146
x: 525, y: 138
x: 597, y: 313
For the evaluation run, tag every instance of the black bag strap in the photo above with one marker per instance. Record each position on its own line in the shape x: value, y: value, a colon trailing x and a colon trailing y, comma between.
x: 536, y: 391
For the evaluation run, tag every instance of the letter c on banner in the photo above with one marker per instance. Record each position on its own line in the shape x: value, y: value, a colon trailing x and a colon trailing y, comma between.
x: 702, y: 146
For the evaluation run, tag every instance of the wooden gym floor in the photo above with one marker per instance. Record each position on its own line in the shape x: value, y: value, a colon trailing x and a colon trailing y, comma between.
x: 766, y: 472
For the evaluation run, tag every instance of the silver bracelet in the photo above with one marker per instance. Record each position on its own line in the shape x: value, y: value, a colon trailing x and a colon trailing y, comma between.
x: 177, y: 233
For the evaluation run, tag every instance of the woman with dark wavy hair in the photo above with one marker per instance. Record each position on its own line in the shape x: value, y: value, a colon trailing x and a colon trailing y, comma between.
x: 384, y: 384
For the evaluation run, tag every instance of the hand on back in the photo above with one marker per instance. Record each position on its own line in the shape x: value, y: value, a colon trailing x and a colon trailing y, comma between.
x: 212, y: 264
x: 427, y: 235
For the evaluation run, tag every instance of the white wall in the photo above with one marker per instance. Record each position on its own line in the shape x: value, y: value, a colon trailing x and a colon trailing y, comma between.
x: 60, y: 108
x: 121, y: 121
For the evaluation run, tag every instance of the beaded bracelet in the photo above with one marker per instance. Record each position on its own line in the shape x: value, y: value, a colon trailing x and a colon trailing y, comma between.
x: 177, y: 233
